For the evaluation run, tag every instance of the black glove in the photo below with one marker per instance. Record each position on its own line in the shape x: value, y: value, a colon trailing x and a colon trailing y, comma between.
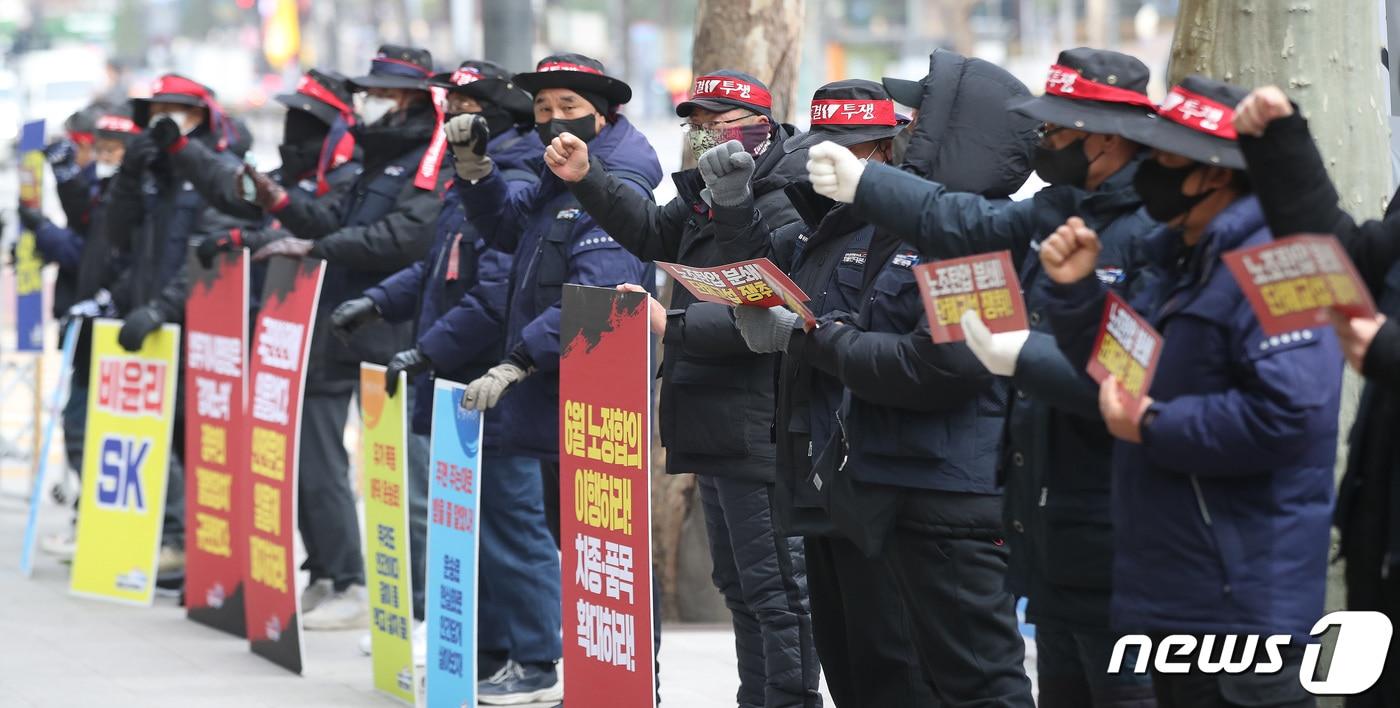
x: 30, y: 218
x: 410, y: 361
x: 164, y: 133
x: 140, y: 152
x: 351, y: 315
x: 141, y: 322
x: 212, y: 246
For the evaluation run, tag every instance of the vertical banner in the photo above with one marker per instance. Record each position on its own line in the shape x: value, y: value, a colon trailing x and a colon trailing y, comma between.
x: 604, y: 498
x: 454, y: 473
x: 277, y: 376
x: 126, y: 456
x: 29, y: 277
x: 36, y: 492
x: 384, y: 456
x: 216, y: 355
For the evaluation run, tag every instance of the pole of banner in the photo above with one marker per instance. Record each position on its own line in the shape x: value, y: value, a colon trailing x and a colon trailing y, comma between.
x: 36, y: 444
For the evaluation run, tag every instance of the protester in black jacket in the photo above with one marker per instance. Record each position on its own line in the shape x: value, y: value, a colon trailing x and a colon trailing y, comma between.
x: 1290, y: 179
x: 716, y: 395
x: 909, y: 461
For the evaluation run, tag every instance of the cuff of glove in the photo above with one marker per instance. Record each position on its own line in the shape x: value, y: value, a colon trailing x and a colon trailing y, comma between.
x: 474, y: 168
x: 521, y: 358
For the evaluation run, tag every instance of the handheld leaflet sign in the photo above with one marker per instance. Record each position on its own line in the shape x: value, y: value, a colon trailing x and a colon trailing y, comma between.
x: 383, y: 454
x: 454, y: 475
x: 36, y: 492
x: 604, y: 498
x: 756, y: 282
x: 216, y: 357
x: 126, y: 459
x: 29, y: 266
x: 985, y: 283
x: 1127, y: 348
x: 277, y: 376
x: 1291, y: 282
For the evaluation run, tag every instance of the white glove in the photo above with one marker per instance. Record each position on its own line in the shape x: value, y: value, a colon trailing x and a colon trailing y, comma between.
x: 485, y: 392
x: 834, y: 171
x: 100, y: 305
x: 998, y: 352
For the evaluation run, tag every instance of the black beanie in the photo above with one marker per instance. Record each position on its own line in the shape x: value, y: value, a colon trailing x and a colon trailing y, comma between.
x: 605, y: 109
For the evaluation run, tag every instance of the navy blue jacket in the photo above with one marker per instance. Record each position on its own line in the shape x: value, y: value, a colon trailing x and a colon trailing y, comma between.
x: 553, y: 242
x: 460, y: 321
x: 1221, y: 516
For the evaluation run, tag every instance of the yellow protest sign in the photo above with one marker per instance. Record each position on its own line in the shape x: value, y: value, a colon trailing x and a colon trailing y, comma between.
x: 131, y: 412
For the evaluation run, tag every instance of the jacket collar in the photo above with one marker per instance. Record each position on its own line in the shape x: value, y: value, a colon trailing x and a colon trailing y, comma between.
x: 1230, y: 229
x: 1116, y: 195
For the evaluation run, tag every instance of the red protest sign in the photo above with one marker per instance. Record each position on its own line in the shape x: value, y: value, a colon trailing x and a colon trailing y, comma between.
x: 277, y: 380
x: 216, y: 355
x: 985, y: 283
x: 756, y: 282
x: 1127, y: 348
x: 1292, y: 282
x: 604, y: 468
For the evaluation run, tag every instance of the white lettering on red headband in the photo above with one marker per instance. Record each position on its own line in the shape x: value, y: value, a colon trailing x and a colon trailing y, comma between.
x: 1069, y: 83
x: 566, y: 66
x: 853, y: 112
x: 731, y: 88
x: 1199, y: 113
x: 117, y: 124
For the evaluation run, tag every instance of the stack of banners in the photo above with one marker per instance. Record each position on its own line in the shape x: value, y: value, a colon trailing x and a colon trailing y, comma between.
x: 985, y: 283
x: 36, y: 492
x: 1127, y: 348
x: 1292, y: 282
x: 29, y: 266
x: 126, y: 460
x: 604, y: 498
x: 281, y: 344
x: 216, y: 352
x: 384, y: 456
x: 756, y: 282
x: 454, y: 473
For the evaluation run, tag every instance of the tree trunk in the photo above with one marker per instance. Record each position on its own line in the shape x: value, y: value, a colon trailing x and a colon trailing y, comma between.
x: 759, y: 37
x: 1326, y: 55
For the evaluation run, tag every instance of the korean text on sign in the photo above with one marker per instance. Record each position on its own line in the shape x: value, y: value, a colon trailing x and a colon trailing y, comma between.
x: 1127, y: 348
x: 1290, y: 283
x: 985, y: 284
x: 609, y: 435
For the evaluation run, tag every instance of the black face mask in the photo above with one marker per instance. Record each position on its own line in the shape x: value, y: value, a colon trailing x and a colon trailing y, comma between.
x: 1065, y: 166
x: 1160, y: 189
x: 584, y: 128
x: 298, y: 160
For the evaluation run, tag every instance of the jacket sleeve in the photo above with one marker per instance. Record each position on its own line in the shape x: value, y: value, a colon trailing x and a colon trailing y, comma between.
x: 1262, y: 423
x: 1044, y: 373
x: 312, y: 217
x: 895, y: 370
x: 635, y: 221
x: 397, y: 295
x: 945, y: 224
x: 75, y: 197
x: 125, y: 209
x: 476, y: 324
x: 399, y: 239
x: 1297, y: 196
x: 1382, y: 362
x: 1075, y: 311
x: 706, y: 329
x: 500, y: 208
x: 59, y: 245
x: 214, y: 178
x: 170, y: 301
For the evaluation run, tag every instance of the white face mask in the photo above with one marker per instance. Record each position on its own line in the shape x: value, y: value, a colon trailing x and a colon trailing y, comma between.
x: 374, y: 108
x: 105, y: 170
x: 184, y: 119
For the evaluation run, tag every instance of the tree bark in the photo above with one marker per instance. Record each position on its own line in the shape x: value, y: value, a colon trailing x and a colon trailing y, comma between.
x: 1326, y: 55
x: 759, y: 37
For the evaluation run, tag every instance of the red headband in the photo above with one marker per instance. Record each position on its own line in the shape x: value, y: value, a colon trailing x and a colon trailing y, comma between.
x: 566, y: 66
x: 1199, y: 113
x: 308, y: 86
x: 853, y: 112
x: 1069, y: 83
x: 731, y: 88
x: 117, y: 124
x: 401, y: 62
x: 81, y: 137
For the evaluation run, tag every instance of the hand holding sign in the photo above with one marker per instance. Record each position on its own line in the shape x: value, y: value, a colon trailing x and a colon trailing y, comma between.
x: 656, y: 312
x: 567, y: 157
x: 1070, y: 253
x: 1122, y: 412
x: 1291, y: 283
x: 1356, y: 335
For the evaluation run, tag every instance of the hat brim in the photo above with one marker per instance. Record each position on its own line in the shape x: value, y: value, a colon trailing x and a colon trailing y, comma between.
x: 845, y: 138
x: 302, y: 102
x: 903, y: 91
x: 1167, y: 136
x: 717, y: 105
x: 481, y: 88
x: 614, y: 91
x: 180, y: 98
x: 386, y: 81
x: 1085, y: 115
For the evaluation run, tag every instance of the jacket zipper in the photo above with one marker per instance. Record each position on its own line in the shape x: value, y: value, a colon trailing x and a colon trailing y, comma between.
x: 1210, y: 528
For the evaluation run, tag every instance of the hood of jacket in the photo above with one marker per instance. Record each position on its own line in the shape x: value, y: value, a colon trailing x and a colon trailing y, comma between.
x: 964, y: 137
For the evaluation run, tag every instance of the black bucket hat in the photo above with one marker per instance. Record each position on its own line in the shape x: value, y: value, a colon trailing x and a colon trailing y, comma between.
x: 576, y: 72
x: 725, y: 90
x: 115, y: 123
x: 396, y: 67
x: 1094, y: 90
x: 323, y: 94
x: 486, y: 81
x: 1197, y: 121
x: 850, y: 112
